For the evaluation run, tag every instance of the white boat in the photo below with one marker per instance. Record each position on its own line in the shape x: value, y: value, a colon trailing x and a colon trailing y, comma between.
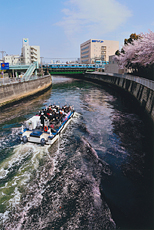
x: 44, y: 134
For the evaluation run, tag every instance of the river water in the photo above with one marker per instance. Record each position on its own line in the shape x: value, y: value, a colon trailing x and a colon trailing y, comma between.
x: 98, y: 175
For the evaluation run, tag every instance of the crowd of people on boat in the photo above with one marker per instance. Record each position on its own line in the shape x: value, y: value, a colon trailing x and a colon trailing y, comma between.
x: 53, y: 115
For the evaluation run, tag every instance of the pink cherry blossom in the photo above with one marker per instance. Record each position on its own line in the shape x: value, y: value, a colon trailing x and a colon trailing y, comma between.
x: 140, y: 51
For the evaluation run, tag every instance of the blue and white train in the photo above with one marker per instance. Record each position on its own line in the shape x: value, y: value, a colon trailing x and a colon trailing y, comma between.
x: 75, y: 65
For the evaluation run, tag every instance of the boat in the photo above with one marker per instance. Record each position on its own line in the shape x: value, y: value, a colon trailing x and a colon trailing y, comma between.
x: 46, y: 127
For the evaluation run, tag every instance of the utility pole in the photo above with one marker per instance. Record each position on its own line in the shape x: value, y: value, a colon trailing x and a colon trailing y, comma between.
x: 47, y: 69
x: 2, y: 52
x: 41, y: 66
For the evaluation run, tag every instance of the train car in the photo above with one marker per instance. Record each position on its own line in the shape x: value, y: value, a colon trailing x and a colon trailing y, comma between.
x: 74, y: 66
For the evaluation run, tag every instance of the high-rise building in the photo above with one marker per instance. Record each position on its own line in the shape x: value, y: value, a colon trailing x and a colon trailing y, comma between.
x: 95, y: 50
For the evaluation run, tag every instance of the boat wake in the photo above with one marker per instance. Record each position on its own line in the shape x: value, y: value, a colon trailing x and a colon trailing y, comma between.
x: 16, y: 171
x: 65, y: 191
x: 9, y: 139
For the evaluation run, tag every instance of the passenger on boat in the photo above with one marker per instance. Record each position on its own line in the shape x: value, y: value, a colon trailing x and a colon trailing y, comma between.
x: 42, y: 118
x: 49, y: 110
x: 45, y: 112
x: 57, y: 108
x: 49, y: 116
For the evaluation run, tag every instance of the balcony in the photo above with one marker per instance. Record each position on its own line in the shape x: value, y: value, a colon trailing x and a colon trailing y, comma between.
x: 103, y: 48
x: 33, y: 54
x: 33, y: 51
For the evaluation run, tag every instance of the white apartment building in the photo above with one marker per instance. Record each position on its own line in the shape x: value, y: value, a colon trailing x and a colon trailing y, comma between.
x: 12, y: 59
x: 29, y: 54
x: 94, y: 49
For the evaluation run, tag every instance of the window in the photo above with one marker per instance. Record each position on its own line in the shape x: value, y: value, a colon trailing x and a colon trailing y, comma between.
x: 86, y: 60
x: 85, y: 56
x: 85, y: 48
x: 85, y: 52
x: 103, y: 47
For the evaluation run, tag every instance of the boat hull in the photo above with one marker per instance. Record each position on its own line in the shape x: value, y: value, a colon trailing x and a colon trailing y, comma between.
x: 39, y: 136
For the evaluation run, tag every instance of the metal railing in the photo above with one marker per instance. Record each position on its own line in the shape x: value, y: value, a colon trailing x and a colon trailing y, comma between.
x: 30, y: 71
x: 7, y: 80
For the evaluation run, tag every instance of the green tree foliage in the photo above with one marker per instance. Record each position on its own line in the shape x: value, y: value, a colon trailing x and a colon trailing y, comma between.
x: 131, y: 38
x: 117, y: 53
x: 127, y: 41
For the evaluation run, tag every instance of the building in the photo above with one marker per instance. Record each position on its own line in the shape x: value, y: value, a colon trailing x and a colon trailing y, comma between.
x: 95, y: 50
x: 12, y: 59
x: 29, y: 54
x: 112, y: 66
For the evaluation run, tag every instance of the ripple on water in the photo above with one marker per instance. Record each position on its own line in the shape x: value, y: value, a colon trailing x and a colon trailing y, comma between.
x: 59, y: 187
x: 16, y: 172
x: 68, y: 191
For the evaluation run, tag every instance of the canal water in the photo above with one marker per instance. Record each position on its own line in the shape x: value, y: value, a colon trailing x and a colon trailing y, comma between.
x: 98, y: 175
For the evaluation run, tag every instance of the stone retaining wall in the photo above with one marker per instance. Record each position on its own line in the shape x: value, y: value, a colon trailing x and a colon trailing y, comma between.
x: 141, y: 89
x: 16, y: 91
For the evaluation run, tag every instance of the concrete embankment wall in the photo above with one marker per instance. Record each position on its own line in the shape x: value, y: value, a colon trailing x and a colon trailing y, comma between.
x: 11, y: 93
x: 141, y: 89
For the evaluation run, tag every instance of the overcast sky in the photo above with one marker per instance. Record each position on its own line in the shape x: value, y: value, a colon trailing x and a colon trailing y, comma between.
x: 59, y: 27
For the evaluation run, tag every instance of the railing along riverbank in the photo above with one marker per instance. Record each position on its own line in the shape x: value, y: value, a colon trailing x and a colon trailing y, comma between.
x: 143, y: 81
x: 8, y: 80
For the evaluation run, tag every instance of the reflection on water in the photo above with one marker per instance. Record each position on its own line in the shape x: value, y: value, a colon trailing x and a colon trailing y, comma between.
x: 96, y: 176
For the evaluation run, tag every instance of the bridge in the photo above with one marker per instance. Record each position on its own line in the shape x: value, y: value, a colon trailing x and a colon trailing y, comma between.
x: 56, y: 69
x: 27, y: 68
x: 73, y: 68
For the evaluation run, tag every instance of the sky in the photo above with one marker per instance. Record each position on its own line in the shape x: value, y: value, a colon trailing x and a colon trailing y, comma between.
x: 59, y: 27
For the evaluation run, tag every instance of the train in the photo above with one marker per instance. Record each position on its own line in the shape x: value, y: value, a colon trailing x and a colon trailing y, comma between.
x: 75, y: 65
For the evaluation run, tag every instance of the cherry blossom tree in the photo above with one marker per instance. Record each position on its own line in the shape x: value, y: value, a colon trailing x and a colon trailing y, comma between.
x: 140, y: 52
